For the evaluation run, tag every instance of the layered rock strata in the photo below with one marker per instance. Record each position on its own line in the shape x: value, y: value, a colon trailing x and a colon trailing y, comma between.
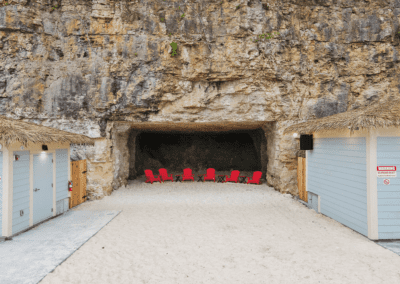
x: 91, y: 67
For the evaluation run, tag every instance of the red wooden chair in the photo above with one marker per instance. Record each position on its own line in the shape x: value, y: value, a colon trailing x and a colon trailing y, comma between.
x: 150, y: 177
x: 187, y: 174
x: 164, y: 175
x: 234, y: 176
x: 256, y: 178
x: 210, y: 175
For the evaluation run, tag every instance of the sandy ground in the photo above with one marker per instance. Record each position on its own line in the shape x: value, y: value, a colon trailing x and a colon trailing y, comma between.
x: 221, y: 233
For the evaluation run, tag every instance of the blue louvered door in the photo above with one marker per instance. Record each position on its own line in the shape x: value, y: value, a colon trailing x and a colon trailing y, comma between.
x: 42, y: 187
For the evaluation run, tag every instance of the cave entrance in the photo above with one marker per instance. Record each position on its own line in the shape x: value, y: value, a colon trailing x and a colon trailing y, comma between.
x: 243, y: 150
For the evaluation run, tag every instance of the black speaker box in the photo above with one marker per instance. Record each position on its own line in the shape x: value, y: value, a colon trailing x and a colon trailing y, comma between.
x: 306, y: 142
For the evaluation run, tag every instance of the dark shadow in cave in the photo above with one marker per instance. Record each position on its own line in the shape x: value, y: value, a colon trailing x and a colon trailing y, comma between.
x: 223, y: 151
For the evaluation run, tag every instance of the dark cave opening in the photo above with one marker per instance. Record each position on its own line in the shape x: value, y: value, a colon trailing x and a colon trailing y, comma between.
x: 223, y: 151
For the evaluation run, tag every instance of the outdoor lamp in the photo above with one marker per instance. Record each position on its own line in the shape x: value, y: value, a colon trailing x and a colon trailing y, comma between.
x: 44, y: 148
x: 295, y: 135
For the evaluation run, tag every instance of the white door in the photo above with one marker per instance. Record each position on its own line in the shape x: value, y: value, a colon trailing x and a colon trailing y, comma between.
x: 42, y: 187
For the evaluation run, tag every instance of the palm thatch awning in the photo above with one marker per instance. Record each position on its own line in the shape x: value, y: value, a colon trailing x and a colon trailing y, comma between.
x: 377, y: 115
x: 12, y: 130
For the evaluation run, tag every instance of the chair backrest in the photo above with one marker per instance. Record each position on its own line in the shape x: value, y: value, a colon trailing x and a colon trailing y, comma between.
x: 163, y: 172
x: 210, y: 172
x: 257, y: 175
x: 187, y: 172
x: 148, y: 173
x: 235, y: 174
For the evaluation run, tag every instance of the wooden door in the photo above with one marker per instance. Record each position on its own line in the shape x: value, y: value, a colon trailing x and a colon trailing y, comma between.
x: 301, y: 178
x: 78, y: 193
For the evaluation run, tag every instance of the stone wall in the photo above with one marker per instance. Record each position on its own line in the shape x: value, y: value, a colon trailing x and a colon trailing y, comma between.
x: 132, y: 153
x: 120, y: 155
x: 282, y: 158
x: 81, y: 65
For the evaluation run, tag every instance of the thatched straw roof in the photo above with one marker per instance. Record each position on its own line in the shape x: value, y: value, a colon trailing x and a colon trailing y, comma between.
x: 382, y: 114
x: 12, y: 130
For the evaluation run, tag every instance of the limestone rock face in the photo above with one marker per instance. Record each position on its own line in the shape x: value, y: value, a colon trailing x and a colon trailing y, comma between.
x: 79, y: 65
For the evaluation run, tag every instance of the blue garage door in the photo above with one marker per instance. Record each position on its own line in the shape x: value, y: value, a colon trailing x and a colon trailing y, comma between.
x: 1, y: 193
x: 62, y: 174
x: 337, y: 172
x: 388, y: 153
x: 42, y: 187
x: 21, y: 205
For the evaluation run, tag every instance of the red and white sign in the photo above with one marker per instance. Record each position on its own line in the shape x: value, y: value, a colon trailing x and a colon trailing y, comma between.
x: 386, y: 171
x: 386, y: 181
x: 386, y: 168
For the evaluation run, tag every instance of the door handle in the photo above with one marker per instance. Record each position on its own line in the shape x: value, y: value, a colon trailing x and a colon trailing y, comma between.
x: 36, y: 189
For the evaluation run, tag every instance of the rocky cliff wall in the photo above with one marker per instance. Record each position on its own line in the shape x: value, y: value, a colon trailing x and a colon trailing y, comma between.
x: 82, y: 65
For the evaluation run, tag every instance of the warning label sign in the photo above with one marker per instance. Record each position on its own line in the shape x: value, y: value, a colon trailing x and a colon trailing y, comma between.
x: 385, y: 174
x: 386, y: 171
x: 386, y: 168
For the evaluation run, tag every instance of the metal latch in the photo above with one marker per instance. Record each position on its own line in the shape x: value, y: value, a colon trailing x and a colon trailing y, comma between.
x: 51, y: 209
x: 84, y: 172
x: 21, y: 213
x: 36, y: 189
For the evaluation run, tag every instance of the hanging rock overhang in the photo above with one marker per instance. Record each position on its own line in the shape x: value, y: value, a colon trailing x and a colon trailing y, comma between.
x: 194, y: 126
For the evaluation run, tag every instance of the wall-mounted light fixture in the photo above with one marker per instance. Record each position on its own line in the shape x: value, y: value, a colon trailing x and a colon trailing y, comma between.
x: 306, y: 142
x: 295, y: 135
x: 45, y: 148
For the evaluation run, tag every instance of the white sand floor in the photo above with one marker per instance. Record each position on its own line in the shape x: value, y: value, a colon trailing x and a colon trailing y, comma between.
x: 221, y: 233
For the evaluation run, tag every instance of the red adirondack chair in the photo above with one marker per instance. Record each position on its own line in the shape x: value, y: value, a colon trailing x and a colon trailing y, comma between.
x: 150, y: 177
x: 187, y: 174
x: 234, y: 176
x: 210, y: 175
x: 256, y: 178
x: 164, y: 175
